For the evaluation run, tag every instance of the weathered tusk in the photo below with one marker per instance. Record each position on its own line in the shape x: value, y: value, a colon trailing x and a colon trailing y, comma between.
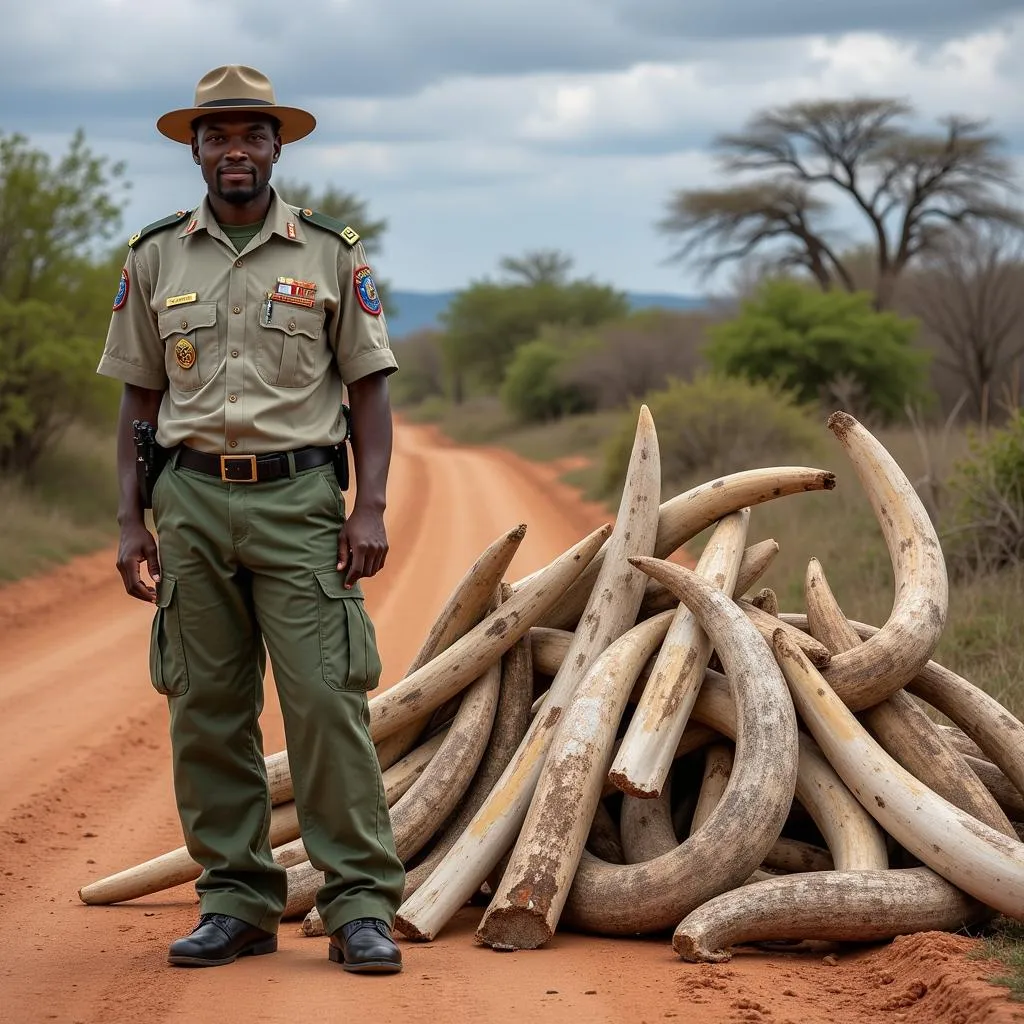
x: 842, y: 906
x: 646, y: 897
x: 648, y: 748
x: 970, y: 854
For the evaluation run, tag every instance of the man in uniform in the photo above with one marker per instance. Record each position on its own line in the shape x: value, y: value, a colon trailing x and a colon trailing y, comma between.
x: 234, y: 328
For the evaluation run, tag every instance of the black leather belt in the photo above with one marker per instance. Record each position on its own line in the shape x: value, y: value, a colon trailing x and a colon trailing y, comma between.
x: 251, y: 469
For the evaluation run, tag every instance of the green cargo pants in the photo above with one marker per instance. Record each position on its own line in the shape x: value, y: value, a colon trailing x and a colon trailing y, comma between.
x: 245, y: 565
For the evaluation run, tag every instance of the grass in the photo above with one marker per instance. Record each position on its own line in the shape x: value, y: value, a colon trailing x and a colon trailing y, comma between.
x: 67, y: 509
x: 1004, y: 942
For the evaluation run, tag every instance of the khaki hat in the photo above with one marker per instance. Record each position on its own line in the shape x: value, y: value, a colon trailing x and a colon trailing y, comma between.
x: 231, y: 88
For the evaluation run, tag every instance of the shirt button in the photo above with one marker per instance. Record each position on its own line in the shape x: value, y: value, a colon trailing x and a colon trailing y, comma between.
x: 184, y: 325
x: 236, y: 310
x: 233, y: 444
x: 291, y: 325
x: 238, y: 263
x: 234, y: 353
x: 232, y: 398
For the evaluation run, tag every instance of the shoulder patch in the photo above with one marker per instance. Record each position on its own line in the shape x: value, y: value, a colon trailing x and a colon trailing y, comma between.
x: 157, y: 225
x: 348, y: 235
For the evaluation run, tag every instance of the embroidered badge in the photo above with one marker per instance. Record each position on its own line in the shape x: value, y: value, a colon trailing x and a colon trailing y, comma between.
x: 185, y: 354
x: 291, y: 230
x: 366, y: 290
x: 298, y: 293
x: 122, y: 290
x: 180, y: 300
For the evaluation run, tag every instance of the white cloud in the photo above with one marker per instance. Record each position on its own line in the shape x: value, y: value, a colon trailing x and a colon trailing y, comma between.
x: 484, y: 129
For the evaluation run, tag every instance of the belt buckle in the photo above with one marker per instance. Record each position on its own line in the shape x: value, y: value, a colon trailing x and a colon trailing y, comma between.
x: 246, y: 460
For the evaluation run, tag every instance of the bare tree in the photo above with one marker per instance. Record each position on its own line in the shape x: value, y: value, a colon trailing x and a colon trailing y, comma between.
x: 968, y: 293
x: 909, y: 187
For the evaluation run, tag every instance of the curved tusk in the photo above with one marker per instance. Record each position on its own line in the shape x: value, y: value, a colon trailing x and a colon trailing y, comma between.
x: 981, y: 861
x: 870, y: 672
x: 901, y: 727
x: 981, y: 717
x: 646, y: 897
x: 842, y: 906
x: 648, y: 748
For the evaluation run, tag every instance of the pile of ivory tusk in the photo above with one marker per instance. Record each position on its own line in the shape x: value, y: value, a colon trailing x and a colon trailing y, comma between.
x: 621, y: 745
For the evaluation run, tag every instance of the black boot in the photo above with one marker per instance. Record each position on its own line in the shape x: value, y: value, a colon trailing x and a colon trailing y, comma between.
x: 218, y: 940
x: 365, y: 946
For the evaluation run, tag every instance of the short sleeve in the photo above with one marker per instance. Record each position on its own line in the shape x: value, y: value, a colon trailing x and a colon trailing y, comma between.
x: 133, y: 351
x: 360, y: 333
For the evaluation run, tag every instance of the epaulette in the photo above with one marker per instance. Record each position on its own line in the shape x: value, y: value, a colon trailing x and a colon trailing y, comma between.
x: 321, y: 220
x: 164, y: 222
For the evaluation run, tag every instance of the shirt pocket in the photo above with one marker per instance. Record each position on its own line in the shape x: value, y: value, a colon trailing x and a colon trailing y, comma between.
x: 192, y: 345
x: 291, y: 352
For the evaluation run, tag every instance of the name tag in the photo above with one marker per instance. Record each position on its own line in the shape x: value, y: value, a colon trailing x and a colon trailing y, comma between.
x: 180, y: 300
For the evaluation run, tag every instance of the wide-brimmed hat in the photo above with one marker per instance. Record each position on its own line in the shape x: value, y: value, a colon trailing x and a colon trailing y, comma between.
x: 231, y: 88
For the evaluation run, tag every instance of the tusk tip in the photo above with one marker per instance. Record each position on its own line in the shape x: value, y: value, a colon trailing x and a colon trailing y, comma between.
x: 841, y: 423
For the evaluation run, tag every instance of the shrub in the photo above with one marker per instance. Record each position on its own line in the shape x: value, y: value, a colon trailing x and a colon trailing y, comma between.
x: 534, y: 388
x: 824, y: 346
x: 638, y: 354
x: 986, y: 494
x: 717, y: 425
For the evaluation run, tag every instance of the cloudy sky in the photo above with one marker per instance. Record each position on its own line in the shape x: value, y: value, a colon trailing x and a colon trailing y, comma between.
x: 481, y: 128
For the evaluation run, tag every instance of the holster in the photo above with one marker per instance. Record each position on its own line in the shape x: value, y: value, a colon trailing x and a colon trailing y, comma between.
x: 150, y: 459
x: 340, y: 460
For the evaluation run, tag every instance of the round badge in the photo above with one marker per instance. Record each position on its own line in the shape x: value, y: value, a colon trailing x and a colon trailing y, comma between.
x: 366, y: 290
x: 122, y: 291
x: 185, y: 354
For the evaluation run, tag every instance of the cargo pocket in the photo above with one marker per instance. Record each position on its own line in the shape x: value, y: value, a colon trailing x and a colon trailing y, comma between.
x: 167, y: 667
x: 348, y: 641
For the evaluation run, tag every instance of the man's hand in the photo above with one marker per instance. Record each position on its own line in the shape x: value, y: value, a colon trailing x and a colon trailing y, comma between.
x: 362, y: 545
x: 138, y: 546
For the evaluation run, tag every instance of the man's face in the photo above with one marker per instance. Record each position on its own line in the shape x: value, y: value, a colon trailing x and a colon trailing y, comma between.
x: 236, y: 153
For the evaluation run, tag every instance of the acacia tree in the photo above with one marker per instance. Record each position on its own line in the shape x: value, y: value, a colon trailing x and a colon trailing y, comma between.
x: 538, y: 266
x: 969, y: 295
x: 909, y: 187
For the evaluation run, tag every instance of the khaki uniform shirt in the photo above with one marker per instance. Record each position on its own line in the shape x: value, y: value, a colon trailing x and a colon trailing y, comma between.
x: 194, y: 323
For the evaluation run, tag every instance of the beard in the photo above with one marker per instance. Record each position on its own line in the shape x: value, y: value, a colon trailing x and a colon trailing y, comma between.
x: 240, y: 195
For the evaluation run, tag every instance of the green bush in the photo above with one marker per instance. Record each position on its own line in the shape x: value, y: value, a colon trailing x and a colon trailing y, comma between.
x: 985, y: 529
x: 824, y: 346
x: 535, y: 388
x: 717, y: 425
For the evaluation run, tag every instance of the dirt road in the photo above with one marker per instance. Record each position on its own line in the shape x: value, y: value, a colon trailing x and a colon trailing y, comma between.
x: 87, y: 792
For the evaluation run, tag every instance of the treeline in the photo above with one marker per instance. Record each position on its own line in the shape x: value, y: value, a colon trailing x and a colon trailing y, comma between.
x: 930, y: 314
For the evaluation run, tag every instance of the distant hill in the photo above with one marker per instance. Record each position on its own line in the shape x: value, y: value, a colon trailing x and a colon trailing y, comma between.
x: 413, y: 311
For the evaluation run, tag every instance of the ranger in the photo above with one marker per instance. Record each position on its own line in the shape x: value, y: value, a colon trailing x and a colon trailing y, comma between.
x: 235, y: 327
